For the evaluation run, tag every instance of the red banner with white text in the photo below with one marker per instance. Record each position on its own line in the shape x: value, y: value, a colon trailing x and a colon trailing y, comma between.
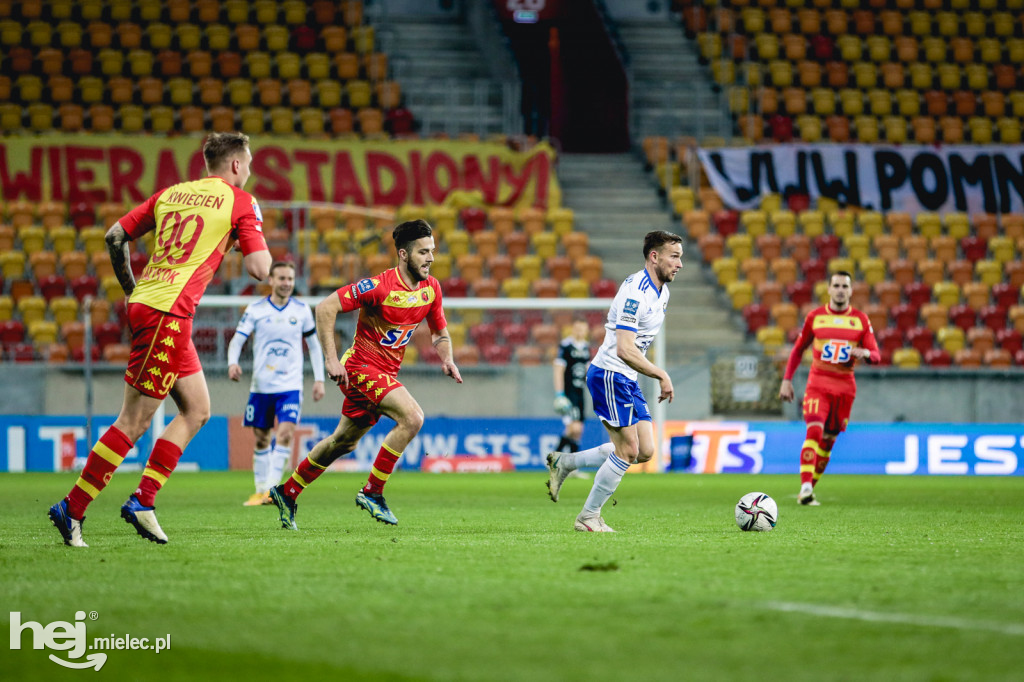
x: 96, y: 169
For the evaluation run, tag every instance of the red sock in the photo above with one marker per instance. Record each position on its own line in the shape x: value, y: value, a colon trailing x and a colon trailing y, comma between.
x: 809, y: 453
x: 105, y: 457
x: 381, y: 471
x: 161, y: 464
x: 307, y: 472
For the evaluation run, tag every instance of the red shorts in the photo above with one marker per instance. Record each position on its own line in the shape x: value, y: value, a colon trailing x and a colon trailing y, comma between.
x: 831, y: 409
x: 162, y: 350
x: 367, y: 387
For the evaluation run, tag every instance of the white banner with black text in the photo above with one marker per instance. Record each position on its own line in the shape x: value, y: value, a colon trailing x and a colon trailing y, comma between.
x: 907, y: 178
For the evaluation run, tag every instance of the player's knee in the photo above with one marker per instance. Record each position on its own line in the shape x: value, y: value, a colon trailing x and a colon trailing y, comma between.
x: 629, y: 452
x: 262, y: 442
x: 413, y: 421
x: 644, y: 456
x: 815, y: 432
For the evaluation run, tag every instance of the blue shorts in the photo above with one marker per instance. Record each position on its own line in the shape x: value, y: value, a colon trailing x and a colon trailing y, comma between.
x: 617, y: 399
x: 264, y: 407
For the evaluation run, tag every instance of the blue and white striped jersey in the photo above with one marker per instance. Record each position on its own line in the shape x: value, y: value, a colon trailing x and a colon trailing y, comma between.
x: 638, y: 306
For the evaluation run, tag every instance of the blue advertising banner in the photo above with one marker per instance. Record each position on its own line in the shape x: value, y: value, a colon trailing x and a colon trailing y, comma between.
x: 59, y: 444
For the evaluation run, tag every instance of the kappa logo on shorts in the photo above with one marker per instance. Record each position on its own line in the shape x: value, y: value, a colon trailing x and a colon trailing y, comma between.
x: 631, y: 306
x: 173, y: 326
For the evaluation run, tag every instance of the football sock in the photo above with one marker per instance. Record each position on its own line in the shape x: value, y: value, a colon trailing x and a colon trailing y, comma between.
x: 382, y: 468
x: 278, y: 460
x: 822, y: 458
x: 307, y: 472
x: 809, y: 452
x: 105, y: 457
x: 606, y: 480
x: 160, y: 466
x: 260, y: 466
x: 594, y: 457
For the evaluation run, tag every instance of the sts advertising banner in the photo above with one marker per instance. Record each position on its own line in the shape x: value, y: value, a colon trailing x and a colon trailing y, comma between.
x: 98, y: 169
x: 908, y: 178
x: 501, y: 444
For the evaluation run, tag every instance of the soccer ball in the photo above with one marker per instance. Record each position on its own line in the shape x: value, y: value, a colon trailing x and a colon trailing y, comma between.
x: 756, y: 511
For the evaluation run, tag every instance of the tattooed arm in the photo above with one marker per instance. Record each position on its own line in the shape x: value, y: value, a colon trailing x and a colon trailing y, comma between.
x: 120, y: 256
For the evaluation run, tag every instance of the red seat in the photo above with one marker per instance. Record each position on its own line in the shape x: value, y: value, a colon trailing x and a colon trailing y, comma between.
x: 800, y: 293
x: 1005, y: 295
x: 756, y: 316
x: 889, y: 339
x: 455, y: 287
x: 974, y: 248
x: 827, y: 246
x: 917, y: 293
x: 494, y: 354
x: 484, y: 334
x: 52, y: 286
x: 814, y: 270
x: 22, y: 352
x: 11, y: 332
x: 993, y: 317
x: 106, y: 334
x: 938, y: 357
x: 604, y: 288
x: 963, y: 316
x: 1010, y: 339
x: 904, y: 316
x: 920, y: 338
x: 473, y: 219
x: 726, y: 222
x: 83, y: 286
x: 515, y: 334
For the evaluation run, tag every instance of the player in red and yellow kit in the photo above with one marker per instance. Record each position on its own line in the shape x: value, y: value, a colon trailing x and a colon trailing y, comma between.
x: 840, y: 336
x: 391, y: 306
x: 195, y: 224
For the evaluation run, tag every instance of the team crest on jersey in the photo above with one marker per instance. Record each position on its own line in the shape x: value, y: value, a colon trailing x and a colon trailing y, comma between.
x: 631, y: 306
x: 365, y: 285
x: 293, y: 321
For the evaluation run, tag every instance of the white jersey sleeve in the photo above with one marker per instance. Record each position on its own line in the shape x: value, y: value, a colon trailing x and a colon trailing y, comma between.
x: 639, y: 307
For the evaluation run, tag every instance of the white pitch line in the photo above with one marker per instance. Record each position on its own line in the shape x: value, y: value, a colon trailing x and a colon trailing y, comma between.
x: 1014, y: 629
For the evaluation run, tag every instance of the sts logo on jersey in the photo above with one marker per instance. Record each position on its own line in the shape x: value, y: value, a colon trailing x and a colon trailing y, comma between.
x: 837, y: 352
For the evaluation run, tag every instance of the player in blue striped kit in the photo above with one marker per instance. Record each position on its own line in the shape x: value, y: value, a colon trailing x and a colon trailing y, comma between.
x: 278, y: 325
x: 634, y: 319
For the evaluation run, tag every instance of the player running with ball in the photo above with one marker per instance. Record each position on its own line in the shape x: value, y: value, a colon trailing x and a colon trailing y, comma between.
x: 841, y: 335
x: 634, y: 319
x: 391, y: 306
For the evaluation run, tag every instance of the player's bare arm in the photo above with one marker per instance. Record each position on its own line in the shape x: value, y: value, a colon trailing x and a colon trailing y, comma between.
x: 258, y: 264
x: 120, y: 256
x: 443, y: 345
x: 626, y: 350
x: 326, y: 314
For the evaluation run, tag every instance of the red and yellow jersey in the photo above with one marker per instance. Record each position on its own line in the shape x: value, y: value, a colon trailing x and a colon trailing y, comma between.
x: 196, y: 223
x: 833, y: 335
x: 389, y: 312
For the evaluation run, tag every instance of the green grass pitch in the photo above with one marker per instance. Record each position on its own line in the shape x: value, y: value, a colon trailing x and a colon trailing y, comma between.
x: 484, y: 579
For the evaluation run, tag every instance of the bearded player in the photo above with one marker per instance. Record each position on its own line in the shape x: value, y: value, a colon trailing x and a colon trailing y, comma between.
x: 391, y: 306
x: 195, y: 224
x: 841, y: 335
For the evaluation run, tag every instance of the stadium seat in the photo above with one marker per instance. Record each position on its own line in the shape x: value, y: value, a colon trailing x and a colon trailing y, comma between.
x: 906, y: 358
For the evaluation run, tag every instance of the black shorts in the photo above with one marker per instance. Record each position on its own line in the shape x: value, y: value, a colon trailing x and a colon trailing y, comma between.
x: 578, y: 413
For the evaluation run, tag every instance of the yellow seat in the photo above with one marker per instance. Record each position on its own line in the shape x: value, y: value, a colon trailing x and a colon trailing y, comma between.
x: 741, y: 293
x: 726, y: 269
x: 771, y: 338
x: 906, y: 358
x: 32, y: 309
x: 946, y: 293
x: 951, y: 338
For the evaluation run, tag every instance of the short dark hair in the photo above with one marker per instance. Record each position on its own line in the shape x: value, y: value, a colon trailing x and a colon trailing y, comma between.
x: 409, y: 231
x: 657, y: 239
x: 219, y: 147
x: 841, y: 273
x: 281, y: 264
